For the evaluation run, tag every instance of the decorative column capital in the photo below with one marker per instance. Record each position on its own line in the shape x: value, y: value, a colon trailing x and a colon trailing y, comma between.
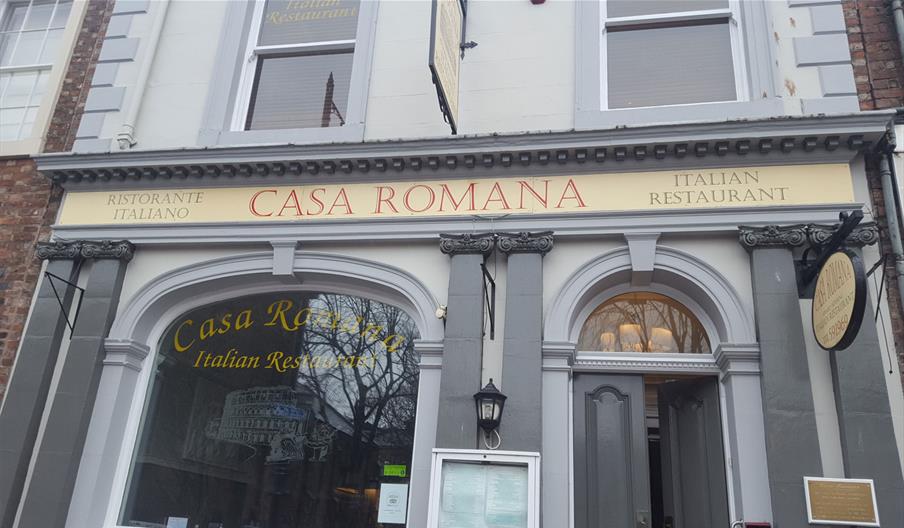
x: 772, y: 236
x: 85, y: 249
x: 466, y: 244
x: 525, y: 242
x: 865, y: 234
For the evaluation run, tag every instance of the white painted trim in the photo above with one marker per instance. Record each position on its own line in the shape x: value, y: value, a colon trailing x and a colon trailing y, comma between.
x: 682, y: 273
x: 635, y: 362
x: 511, y: 458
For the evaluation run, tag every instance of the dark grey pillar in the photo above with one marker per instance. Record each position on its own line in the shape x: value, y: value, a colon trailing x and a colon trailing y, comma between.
x: 28, y: 387
x: 45, y: 502
x: 522, y: 348
x: 463, y: 342
x: 792, y: 444
x: 864, y: 419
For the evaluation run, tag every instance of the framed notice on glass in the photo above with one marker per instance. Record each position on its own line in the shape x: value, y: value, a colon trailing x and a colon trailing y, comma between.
x: 847, y: 502
x: 484, y: 489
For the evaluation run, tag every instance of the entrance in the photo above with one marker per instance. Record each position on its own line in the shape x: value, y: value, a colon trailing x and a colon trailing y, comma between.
x: 648, y: 452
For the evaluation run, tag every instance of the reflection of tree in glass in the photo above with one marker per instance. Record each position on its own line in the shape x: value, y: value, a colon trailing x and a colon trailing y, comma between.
x: 643, y: 322
x: 373, y: 388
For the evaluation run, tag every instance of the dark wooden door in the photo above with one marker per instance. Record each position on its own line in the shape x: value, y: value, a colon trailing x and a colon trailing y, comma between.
x: 611, y: 465
x: 693, y: 464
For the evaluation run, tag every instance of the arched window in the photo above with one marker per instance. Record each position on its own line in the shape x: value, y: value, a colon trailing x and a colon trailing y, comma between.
x: 283, y: 409
x: 643, y: 322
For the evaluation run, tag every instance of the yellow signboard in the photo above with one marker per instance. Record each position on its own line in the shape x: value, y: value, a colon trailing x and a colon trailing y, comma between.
x: 584, y: 193
x: 841, y: 501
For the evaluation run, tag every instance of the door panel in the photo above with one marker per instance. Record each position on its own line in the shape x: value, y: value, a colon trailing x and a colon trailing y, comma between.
x: 693, y: 465
x: 611, y: 468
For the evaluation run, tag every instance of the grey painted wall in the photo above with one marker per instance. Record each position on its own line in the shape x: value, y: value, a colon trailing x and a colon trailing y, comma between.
x: 792, y: 443
x: 462, y: 354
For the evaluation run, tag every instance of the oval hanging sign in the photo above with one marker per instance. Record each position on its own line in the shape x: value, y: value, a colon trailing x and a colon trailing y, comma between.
x: 839, y: 300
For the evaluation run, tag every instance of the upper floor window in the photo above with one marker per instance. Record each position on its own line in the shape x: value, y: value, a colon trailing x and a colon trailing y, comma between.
x: 643, y: 322
x: 299, y: 68
x: 670, y: 52
x: 30, y: 35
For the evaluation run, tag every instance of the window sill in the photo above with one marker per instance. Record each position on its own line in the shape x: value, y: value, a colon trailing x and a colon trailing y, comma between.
x: 601, y: 119
x: 350, y: 133
x: 20, y: 147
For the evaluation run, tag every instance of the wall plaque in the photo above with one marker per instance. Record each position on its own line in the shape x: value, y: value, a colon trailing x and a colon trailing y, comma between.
x: 841, y: 501
x: 839, y: 300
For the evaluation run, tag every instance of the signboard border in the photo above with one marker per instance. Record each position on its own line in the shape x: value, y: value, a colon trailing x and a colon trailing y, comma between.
x: 859, y: 303
x: 440, y: 89
x: 872, y: 488
x: 479, y: 456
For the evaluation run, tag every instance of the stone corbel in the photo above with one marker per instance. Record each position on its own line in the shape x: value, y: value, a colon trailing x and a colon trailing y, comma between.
x: 865, y: 234
x: 558, y: 355
x: 467, y: 244
x: 772, y: 236
x: 642, y: 248
x: 525, y: 242
x: 85, y: 249
x: 430, y: 352
x: 284, y: 261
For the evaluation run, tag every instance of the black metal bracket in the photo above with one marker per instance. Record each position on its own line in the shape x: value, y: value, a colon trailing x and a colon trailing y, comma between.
x: 465, y: 46
x: 78, y: 306
x: 809, y: 269
x: 489, y: 292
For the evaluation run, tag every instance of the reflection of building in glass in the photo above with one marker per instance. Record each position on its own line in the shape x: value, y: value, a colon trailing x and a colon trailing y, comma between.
x: 643, y: 322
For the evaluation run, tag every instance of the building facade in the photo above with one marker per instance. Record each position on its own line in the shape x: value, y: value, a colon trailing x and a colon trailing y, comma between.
x: 276, y: 281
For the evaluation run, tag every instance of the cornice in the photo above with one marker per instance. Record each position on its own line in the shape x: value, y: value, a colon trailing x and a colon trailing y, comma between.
x: 783, y: 140
x: 85, y: 249
x: 467, y: 244
x: 525, y: 242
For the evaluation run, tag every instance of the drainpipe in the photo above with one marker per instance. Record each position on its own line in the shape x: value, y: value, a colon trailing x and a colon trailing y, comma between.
x: 898, y: 12
x: 126, y: 135
x: 886, y: 168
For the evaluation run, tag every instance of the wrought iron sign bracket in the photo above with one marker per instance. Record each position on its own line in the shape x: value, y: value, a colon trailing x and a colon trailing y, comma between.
x: 78, y: 305
x: 489, y: 292
x: 808, y: 270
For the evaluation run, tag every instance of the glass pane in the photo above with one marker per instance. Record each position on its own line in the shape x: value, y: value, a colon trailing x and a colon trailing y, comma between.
x: 301, y: 92
x: 8, y: 132
x: 41, y: 85
x: 29, y: 48
x: 289, y: 424
x: 39, y: 15
x: 10, y: 119
x: 4, y: 82
x: 7, y: 41
x: 649, y: 67
x: 299, y: 21
x: 28, y: 122
x: 15, y: 17
x: 19, y: 89
x: 623, y: 8
x: 643, y: 322
x: 61, y: 15
x: 51, y: 46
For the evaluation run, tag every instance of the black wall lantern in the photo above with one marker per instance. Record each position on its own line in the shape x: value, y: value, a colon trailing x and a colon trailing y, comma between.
x: 489, y: 402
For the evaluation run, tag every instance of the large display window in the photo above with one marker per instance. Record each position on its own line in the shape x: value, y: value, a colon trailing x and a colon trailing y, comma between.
x: 276, y: 410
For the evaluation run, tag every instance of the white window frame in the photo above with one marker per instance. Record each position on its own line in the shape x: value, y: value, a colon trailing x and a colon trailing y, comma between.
x: 731, y: 14
x: 41, y: 119
x: 253, y: 54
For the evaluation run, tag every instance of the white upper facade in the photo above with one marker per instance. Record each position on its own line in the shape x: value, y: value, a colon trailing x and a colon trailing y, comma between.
x: 191, y: 73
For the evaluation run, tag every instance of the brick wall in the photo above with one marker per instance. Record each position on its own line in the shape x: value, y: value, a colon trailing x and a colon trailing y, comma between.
x: 30, y: 203
x: 879, y: 74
